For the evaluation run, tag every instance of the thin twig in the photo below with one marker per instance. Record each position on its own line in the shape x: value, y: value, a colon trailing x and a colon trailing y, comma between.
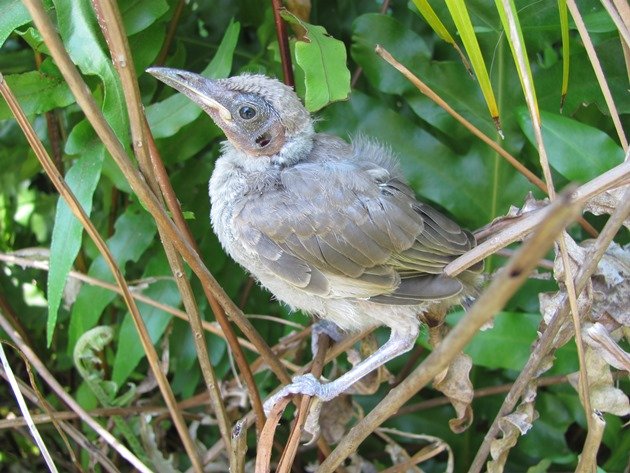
x: 112, y: 27
x: 477, y: 393
x: 219, y: 314
x: 283, y: 43
x: 66, y: 427
x: 290, y: 449
x: 558, y: 215
x: 170, y: 32
x: 426, y: 90
x: 520, y: 57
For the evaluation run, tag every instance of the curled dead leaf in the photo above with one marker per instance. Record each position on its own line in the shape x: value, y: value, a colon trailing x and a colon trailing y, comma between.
x: 607, y: 202
x: 605, y: 397
x: 597, y: 337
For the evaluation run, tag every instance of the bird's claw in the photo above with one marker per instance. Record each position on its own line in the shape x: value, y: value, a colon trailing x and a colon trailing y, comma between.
x: 305, y: 384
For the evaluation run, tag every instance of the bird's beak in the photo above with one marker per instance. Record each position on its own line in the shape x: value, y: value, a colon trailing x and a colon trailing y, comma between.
x: 199, y: 89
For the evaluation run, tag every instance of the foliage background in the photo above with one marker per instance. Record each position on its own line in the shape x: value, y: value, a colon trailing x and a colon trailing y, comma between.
x: 444, y: 163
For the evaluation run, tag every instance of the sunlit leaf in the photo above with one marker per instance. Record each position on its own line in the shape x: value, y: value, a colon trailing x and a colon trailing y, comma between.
x: 323, y: 60
x: 436, y: 24
x: 514, y: 36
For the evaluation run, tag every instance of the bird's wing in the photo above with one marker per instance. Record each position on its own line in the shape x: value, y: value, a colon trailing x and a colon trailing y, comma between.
x: 342, y: 229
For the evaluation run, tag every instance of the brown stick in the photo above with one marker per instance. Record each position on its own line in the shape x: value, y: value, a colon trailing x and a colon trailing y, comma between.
x: 283, y: 43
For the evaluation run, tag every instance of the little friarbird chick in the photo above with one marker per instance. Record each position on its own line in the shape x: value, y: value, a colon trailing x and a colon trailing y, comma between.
x: 328, y: 227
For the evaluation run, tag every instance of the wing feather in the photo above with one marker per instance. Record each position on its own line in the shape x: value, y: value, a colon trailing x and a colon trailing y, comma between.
x: 350, y: 229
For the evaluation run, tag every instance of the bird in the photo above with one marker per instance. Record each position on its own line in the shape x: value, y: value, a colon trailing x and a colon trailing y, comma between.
x: 329, y: 227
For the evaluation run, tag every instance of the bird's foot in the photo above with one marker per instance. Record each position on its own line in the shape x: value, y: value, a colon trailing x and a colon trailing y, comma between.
x: 305, y: 384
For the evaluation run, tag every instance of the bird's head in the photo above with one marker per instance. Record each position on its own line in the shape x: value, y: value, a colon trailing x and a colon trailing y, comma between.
x: 259, y: 115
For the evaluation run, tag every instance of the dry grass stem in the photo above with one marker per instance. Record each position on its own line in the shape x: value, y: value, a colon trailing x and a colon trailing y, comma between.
x: 64, y: 427
x: 532, y: 104
x: 588, y: 458
x: 111, y: 25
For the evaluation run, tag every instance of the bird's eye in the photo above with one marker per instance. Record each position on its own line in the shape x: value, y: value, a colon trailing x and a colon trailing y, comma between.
x: 247, y: 112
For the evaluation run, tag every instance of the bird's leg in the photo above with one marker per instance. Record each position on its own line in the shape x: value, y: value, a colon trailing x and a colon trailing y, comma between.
x: 400, y: 341
x: 324, y: 327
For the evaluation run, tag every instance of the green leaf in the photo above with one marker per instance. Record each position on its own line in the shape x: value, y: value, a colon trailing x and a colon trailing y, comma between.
x: 146, y: 45
x: 14, y: 15
x: 583, y: 86
x: 447, y: 78
x: 507, y: 344
x: 67, y: 233
x: 134, y: 233
x: 518, y: 49
x: 406, y: 46
x: 37, y: 93
x: 140, y: 14
x: 459, y: 13
x: 167, y: 117
x: 323, y: 60
x: 130, y: 350
x: 577, y: 151
x: 82, y: 40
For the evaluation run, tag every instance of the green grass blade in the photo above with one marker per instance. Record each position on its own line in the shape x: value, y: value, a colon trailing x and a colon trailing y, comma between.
x: 459, y: 12
x: 436, y: 24
x: 564, y: 29
x: 519, y: 52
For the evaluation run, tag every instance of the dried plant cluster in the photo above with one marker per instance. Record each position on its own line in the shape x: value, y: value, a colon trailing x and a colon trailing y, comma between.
x: 130, y: 341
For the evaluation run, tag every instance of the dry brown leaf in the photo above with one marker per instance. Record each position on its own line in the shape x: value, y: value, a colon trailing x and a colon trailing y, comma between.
x: 598, y: 338
x: 456, y: 385
x: 512, y: 427
x: 607, y: 202
x: 605, y: 397
x: 611, y: 284
x: 300, y: 8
